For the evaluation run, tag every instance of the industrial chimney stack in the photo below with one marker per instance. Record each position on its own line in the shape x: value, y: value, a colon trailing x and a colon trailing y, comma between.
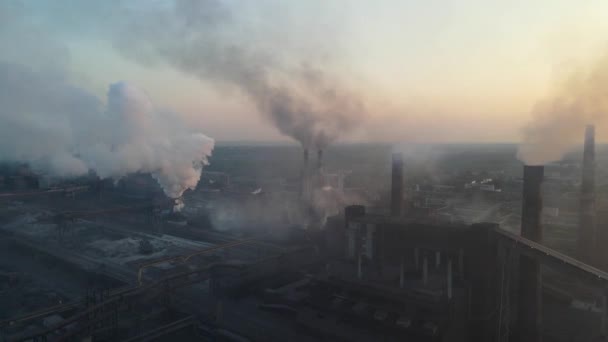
x: 530, y: 282
x: 397, y: 185
x: 587, y: 251
x: 305, y: 181
x: 532, y: 203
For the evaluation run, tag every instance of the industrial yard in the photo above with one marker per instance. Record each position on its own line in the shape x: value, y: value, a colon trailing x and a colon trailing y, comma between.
x: 249, y: 259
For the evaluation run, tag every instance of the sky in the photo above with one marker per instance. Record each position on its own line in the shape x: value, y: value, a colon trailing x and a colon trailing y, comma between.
x: 426, y: 71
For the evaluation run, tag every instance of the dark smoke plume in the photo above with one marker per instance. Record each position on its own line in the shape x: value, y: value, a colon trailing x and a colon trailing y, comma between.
x: 206, y: 39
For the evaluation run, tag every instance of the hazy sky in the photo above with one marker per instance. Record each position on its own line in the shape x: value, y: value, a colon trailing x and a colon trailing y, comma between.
x: 435, y: 70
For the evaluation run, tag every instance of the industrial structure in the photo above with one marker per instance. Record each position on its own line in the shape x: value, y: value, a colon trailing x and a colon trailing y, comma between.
x: 397, y: 185
x: 365, y: 274
x: 587, y: 248
x: 530, y: 283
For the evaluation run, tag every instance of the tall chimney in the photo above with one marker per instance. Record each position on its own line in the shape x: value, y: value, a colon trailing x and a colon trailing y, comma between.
x: 397, y: 185
x: 532, y: 204
x: 304, y: 186
x: 587, y: 251
x: 530, y: 281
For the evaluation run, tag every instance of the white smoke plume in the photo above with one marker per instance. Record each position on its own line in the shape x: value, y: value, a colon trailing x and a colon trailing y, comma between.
x: 559, y: 121
x: 65, y: 131
x: 144, y: 139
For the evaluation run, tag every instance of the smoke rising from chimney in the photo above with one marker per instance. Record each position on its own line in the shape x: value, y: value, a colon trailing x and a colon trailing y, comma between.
x: 559, y: 121
x: 207, y: 40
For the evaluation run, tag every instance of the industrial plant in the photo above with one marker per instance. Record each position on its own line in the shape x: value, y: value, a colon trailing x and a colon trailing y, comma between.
x: 352, y: 245
x: 301, y: 171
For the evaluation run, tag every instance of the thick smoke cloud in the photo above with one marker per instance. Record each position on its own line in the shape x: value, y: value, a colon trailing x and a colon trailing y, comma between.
x: 206, y: 39
x: 145, y: 139
x: 559, y: 121
x: 65, y: 131
x: 40, y: 117
x: 219, y: 42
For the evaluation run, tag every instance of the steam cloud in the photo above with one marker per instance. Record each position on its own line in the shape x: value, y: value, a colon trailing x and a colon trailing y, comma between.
x: 148, y: 140
x: 65, y: 131
x: 205, y: 39
x: 560, y: 121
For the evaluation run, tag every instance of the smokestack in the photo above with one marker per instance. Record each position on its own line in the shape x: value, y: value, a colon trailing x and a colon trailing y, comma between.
x: 586, y: 232
x: 397, y: 185
x: 532, y: 204
x: 530, y: 281
x: 304, y: 180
